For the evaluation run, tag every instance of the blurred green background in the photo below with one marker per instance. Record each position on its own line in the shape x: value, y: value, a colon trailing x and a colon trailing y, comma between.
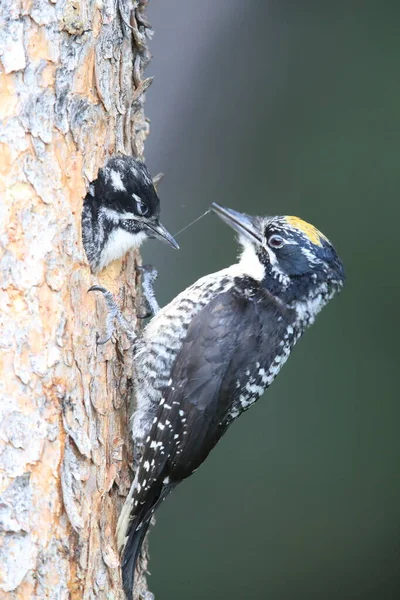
x: 284, y: 107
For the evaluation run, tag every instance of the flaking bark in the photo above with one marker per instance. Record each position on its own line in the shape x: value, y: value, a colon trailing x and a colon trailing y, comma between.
x: 71, y: 93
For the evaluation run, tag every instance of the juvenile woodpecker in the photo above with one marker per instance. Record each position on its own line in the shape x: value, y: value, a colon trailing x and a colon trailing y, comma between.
x: 212, y: 352
x: 120, y: 210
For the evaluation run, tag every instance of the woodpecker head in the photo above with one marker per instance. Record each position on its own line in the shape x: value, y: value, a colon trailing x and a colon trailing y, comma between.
x: 290, y: 257
x: 120, y: 211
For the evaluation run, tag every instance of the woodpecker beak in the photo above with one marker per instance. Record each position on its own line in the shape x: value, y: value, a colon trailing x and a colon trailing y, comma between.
x: 161, y: 233
x: 243, y: 224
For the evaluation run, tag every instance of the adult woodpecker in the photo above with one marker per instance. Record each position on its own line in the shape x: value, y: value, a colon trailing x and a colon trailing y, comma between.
x: 211, y: 353
x: 120, y: 210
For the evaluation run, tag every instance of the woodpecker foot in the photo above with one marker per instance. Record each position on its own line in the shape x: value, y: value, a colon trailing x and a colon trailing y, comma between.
x: 148, y: 275
x: 113, y: 313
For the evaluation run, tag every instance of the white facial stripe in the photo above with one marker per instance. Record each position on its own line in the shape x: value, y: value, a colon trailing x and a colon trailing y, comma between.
x: 115, y: 216
x: 310, y: 256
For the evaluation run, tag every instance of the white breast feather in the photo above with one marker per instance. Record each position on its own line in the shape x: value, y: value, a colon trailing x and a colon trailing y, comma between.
x: 118, y: 243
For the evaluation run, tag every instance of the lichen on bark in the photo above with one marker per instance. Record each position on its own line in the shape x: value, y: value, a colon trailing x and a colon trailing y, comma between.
x: 71, y: 94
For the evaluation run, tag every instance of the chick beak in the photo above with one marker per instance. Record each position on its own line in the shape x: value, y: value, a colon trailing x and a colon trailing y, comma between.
x: 161, y: 233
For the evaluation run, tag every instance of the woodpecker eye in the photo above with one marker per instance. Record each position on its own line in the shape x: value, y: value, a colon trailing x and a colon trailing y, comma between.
x: 275, y: 241
x: 141, y: 208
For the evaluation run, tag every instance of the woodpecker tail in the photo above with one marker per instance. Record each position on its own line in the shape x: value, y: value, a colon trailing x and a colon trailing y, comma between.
x: 130, y: 557
x: 137, y: 529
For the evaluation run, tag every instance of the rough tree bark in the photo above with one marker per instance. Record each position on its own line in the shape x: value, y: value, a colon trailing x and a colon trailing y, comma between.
x: 71, y: 93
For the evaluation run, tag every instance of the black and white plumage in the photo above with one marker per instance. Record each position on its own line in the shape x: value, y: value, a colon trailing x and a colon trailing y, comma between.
x: 212, y: 352
x: 120, y: 211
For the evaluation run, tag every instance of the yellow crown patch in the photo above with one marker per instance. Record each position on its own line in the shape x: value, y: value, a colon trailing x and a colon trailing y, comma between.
x: 310, y: 231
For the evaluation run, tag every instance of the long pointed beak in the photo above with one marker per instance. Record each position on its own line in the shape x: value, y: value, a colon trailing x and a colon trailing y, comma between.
x: 161, y: 233
x: 243, y: 224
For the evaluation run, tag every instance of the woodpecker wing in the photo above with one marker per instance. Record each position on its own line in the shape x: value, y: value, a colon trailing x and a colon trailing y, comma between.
x: 230, y: 342
x: 229, y: 345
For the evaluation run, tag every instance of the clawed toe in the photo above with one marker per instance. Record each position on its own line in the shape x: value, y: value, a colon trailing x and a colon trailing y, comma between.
x: 113, y: 313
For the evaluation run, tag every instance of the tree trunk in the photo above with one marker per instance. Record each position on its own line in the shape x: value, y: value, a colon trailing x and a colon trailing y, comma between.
x: 71, y: 94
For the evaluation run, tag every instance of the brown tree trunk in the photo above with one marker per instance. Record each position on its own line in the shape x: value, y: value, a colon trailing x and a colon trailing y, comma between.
x: 71, y: 93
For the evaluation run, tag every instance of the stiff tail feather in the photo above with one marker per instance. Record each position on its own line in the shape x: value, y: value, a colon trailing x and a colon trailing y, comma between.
x: 130, y: 557
x: 136, y: 533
